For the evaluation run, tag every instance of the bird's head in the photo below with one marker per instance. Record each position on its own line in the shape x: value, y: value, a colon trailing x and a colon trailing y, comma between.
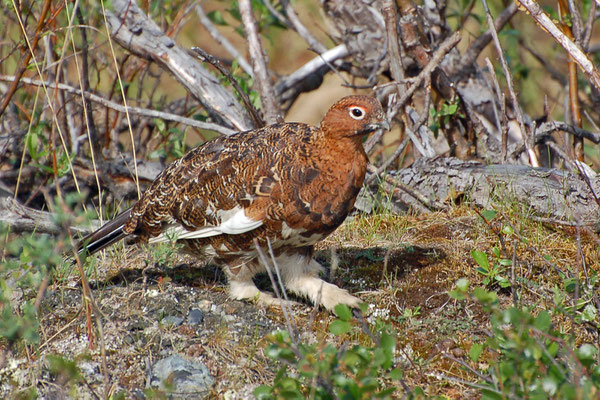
x: 354, y: 116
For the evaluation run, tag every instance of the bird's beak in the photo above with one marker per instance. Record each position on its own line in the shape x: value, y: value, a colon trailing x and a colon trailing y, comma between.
x: 385, y: 125
x: 378, y: 125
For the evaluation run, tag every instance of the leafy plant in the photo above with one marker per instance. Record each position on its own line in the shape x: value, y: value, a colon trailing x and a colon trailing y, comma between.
x: 528, y: 355
x: 494, y: 272
x: 326, y: 371
x: 442, y: 117
x: 173, y: 143
x: 28, y: 264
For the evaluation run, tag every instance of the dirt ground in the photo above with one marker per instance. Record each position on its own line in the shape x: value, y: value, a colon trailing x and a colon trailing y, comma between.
x: 402, y: 267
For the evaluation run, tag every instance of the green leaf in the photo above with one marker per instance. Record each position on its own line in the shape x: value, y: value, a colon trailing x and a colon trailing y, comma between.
x: 216, y: 17
x: 502, y: 281
x: 484, y: 296
x: 481, y: 259
x: 589, y: 313
x: 543, y: 321
x: 363, y: 307
x: 496, y: 251
x: 343, y: 312
x: 489, y: 214
x: 586, y: 353
x: 507, y: 230
x: 457, y: 294
x: 550, y: 385
x: 63, y: 367
x: 339, y: 327
x: 396, y: 374
x: 160, y: 125
x: 263, y: 392
x: 462, y: 284
x: 475, y: 352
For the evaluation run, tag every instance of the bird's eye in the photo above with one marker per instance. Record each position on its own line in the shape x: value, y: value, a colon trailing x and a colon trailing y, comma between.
x: 357, y: 112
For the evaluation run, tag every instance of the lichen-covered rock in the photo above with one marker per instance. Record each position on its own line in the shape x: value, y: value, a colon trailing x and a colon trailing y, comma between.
x: 182, y: 377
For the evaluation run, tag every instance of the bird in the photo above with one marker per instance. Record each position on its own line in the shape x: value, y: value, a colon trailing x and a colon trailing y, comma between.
x: 283, y: 188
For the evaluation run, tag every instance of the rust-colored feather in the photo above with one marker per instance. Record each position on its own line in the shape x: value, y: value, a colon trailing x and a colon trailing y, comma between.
x: 289, y: 183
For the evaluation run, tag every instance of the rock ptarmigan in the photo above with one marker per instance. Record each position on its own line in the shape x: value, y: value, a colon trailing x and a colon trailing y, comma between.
x: 290, y: 184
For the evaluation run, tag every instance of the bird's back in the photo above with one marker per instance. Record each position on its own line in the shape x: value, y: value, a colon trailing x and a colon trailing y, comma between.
x: 280, y: 178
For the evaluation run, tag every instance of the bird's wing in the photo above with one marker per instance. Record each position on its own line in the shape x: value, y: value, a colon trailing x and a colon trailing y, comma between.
x: 236, y: 222
x: 222, y: 187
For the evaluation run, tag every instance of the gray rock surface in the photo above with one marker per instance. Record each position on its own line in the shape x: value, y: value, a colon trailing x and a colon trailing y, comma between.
x: 182, y: 378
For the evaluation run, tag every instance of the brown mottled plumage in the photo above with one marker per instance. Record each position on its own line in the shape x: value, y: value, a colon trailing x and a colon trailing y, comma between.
x: 289, y: 182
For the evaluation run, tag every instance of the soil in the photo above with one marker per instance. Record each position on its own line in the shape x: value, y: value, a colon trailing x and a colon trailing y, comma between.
x: 144, y: 308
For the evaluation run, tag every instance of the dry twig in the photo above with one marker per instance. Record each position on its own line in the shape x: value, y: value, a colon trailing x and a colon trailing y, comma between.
x: 527, y: 138
x: 222, y: 40
x: 574, y: 51
x: 301, y: 29
x: 262, y: 81
x: 118, y: 107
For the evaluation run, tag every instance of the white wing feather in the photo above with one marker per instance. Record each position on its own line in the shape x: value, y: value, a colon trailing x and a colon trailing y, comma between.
x: 233, y: 222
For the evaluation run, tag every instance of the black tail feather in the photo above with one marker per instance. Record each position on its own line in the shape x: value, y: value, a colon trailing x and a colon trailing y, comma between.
x: 107, y: 234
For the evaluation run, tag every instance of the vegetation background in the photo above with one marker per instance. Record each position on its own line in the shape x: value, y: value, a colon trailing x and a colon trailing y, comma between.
x: 488, y: 289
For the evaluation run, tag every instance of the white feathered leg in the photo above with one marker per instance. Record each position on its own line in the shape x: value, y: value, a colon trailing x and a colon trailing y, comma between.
x: 300, y: 274
x: 242, y: 287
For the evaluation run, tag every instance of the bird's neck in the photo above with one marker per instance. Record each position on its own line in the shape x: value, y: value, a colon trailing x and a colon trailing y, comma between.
x: 345, y: 145
x: 348, y: 156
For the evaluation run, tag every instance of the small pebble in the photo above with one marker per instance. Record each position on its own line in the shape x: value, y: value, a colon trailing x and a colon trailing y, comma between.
x: 229, y: 318
x: 172, y: 320
x: 187, y: 377
x: 195, y: 317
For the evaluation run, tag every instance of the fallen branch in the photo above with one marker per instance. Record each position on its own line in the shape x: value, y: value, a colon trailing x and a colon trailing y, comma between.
x: 397, y: 186
x: 552, y: 194
x: 21, y: 218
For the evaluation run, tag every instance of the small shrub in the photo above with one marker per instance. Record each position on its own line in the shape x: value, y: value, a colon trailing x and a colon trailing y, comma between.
x: 527, y: 356
x: 325, y: 371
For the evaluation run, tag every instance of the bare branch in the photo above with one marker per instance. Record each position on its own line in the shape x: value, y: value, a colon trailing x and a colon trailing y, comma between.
x: 120, y: 108
x: 393, y: 46
x: 527, y: 138
x: 262, y: 81
x: 552, y: 126
x: 301, y: 79
x: 502, y: 120
x: 468, y: 59
x: 204, y: 56
x: 222, y: 40
x: 28, y: 54
x: 574, y: 51
x: 135, y: 32
x: 437, y: 57
x: 301, y: 29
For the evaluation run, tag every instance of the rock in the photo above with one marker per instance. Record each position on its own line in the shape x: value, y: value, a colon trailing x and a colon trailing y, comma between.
x: 172, y: 320
x: 195, y: 317
x: 182, y: 378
